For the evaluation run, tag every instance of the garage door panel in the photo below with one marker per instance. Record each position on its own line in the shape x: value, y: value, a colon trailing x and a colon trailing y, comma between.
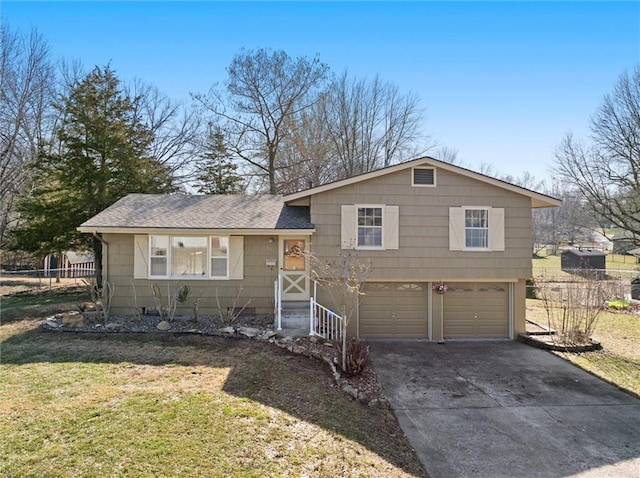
x: 374, y: 331
x: 393, y: 310
x: 476, y: 310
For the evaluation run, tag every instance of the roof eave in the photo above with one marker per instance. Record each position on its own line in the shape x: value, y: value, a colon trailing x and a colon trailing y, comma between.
x: 191, y: 231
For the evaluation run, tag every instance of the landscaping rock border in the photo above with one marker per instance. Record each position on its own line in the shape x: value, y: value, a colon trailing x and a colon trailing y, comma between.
x: 550, y: 342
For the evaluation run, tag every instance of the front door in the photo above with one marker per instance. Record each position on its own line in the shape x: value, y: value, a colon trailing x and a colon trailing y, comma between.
x: 295, y: 268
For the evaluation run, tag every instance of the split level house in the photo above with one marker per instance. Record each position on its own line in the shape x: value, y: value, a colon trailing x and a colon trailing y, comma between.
x: 450, y: 250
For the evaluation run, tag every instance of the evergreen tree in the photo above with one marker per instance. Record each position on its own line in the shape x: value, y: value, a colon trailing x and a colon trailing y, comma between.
x: 100, y: 155
x: 217, y: 173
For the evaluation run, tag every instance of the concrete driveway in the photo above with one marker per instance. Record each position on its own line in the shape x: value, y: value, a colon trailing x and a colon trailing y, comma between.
x: 504, y: 409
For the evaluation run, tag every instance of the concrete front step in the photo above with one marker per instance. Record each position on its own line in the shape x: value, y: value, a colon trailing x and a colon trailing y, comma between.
x: 298, y: 304
x: 295, y: 318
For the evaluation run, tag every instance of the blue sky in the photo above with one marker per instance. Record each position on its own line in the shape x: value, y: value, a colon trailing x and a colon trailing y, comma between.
x: 501, y: 82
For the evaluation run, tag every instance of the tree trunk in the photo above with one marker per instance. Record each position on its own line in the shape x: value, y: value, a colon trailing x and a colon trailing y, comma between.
x: 97, y: 257
x: 272, y: 172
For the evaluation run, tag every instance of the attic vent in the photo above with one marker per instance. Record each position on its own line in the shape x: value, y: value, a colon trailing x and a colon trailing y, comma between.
x: 424, y: 177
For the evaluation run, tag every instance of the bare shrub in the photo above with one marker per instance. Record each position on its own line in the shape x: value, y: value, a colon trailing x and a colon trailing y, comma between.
x: 573, y: 308
x: 100, y: 296
x: 176, y: 294
x: 133, y: 302
x: 342, y: 279
x: 356, y: 353
x: 230, y: 314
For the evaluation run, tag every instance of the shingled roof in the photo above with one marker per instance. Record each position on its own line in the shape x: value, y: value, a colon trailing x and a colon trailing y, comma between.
x: 162, y: 211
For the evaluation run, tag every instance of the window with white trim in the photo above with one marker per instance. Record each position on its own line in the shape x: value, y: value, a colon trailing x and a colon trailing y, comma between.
x: 476, y: 228
x: 158, y: 254
x: 189, y: 257
x: 219, y: 257
x: 369, y: 226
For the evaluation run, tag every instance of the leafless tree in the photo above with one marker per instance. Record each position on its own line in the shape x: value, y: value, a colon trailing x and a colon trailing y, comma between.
x: 176, y: 130
x: 570, y: 222
x: 606, y: 171
x: 444, y: 153
x: 26, y: 90
x: 308, y: 158
x: 265, y: 91
x: 371, y: 124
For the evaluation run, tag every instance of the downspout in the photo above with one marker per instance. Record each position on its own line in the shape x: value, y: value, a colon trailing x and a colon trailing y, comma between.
x: 105, y: 256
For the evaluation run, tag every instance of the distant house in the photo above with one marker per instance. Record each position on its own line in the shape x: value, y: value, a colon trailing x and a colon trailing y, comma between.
x: 624, y: 241
x: 71, y: 264
x: 450, y: 249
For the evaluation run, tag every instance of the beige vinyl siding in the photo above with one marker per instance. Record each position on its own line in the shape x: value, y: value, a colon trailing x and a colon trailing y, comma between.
x: 257, y: 283
x: 423, y: 250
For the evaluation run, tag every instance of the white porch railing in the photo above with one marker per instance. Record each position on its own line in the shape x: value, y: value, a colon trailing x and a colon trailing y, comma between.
x: 324, y: 322
x: 277, y: 294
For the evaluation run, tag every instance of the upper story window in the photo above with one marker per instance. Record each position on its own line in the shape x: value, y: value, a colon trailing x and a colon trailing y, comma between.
x: 369, y: 226
x: 423, y: 176
x: 476, y: 228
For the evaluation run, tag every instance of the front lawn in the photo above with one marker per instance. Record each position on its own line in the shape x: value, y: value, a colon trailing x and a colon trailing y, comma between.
x: 619, y: 360
x: 138, y: 405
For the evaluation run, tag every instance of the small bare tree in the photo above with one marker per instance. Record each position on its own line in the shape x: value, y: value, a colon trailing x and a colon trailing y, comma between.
x: 342, y: 280
x: 573, y: 308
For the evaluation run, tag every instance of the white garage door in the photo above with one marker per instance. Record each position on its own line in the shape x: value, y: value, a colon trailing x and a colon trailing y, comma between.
x: 476, y: 310
x: 389, y: 309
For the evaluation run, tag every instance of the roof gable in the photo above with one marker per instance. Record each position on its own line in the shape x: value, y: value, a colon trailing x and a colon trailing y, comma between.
x: 537, y: 199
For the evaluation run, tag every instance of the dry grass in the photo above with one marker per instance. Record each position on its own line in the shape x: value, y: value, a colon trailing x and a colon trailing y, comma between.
x: 135, y: 405
x: 549, y: 266
x: 619, y: 360
x: 13, y: 284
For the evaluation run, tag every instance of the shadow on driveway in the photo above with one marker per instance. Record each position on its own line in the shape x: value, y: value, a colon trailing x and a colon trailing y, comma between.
x: 504, y: 409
